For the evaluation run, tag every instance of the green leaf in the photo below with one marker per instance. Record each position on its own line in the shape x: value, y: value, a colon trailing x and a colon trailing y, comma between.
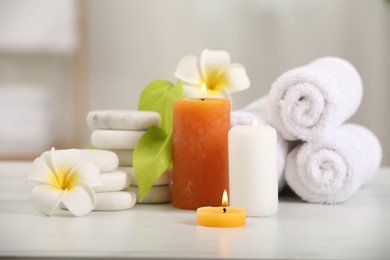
x: 153, y: 152
x: 158, y: 96
x: 152, y: 157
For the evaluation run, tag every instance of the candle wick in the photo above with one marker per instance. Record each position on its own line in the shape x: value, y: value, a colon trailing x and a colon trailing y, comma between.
x: 224, y: 210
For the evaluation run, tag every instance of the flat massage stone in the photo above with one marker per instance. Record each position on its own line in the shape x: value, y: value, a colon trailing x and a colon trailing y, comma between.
x: 123, y: 119
x: 157, y: 194
x: 115, y: 139
x: 106, y: 161
x: 125, y: 157
x: 164, y: 179
x: 113, y: 181
x: 117, y: 200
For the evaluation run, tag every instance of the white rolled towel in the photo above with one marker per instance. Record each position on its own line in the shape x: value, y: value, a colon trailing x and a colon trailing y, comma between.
x: 309, y: 101
x: 332, y: 169
x: 282, y: 146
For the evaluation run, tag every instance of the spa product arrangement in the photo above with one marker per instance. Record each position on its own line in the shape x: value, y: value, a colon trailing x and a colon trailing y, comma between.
x: 185, y: 145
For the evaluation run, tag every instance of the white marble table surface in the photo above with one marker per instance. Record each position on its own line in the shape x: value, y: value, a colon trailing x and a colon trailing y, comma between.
x: 358, y: 229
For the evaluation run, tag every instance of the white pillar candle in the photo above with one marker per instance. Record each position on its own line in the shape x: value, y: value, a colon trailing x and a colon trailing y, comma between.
x: 252, y: 169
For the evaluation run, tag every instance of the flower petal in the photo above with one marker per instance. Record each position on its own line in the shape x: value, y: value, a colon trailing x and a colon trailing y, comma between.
x: 220, y: 94
x: 62, y: 160
x: 41, y: 172
x: 46, y: 198
x: 212, y: 63
x: 87, y: 173
x: 188, y: 71
x: 191, y: 91
x: 80, y: 200
x: 235, y: 78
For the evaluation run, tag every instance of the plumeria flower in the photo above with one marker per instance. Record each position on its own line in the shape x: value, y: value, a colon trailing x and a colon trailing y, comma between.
x: 214, y: 71
x: 64, y: 178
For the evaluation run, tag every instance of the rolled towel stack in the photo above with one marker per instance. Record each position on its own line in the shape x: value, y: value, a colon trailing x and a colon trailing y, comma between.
x: 309, y: 101
x: 246, y: 118
x: 310, y: 104
x: 331, y: 169
x: 119, y: 131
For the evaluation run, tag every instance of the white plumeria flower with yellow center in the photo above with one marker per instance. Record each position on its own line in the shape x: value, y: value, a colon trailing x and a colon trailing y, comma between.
x: 214, y: 71
x: 64, y: 178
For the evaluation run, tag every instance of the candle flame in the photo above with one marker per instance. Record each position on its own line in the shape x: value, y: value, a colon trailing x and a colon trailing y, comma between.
x: 254, y: 122
x: 203, y: 90
x: 225, y: 200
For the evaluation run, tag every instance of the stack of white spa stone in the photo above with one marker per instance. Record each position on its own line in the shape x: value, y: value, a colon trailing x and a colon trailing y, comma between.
x: 113, y: 194
x: 118, y: 131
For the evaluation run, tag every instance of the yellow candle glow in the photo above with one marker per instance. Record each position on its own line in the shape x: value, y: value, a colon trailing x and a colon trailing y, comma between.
x: 221, y: 216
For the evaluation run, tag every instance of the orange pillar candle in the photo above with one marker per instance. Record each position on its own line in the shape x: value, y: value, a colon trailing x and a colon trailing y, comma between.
x: 200, y: 152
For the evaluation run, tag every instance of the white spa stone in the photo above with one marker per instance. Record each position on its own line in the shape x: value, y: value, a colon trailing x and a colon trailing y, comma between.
x: 157, y: 194
x: 105, y: 160
x: 125, y: 157
x: 117, y: 200
x: 116, y: 180
x: 164, y: 179
x: 115, y: 139
x: 123, y: 119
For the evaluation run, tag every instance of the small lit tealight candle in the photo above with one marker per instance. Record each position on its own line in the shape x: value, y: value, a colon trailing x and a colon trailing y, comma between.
x: 223, y: 216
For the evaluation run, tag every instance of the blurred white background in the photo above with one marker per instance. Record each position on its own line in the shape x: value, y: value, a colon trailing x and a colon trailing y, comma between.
x: 87, y: 55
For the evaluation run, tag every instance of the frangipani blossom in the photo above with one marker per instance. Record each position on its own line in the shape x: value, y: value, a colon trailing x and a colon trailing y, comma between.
x: 213, y: 70
x: 64, y: 178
